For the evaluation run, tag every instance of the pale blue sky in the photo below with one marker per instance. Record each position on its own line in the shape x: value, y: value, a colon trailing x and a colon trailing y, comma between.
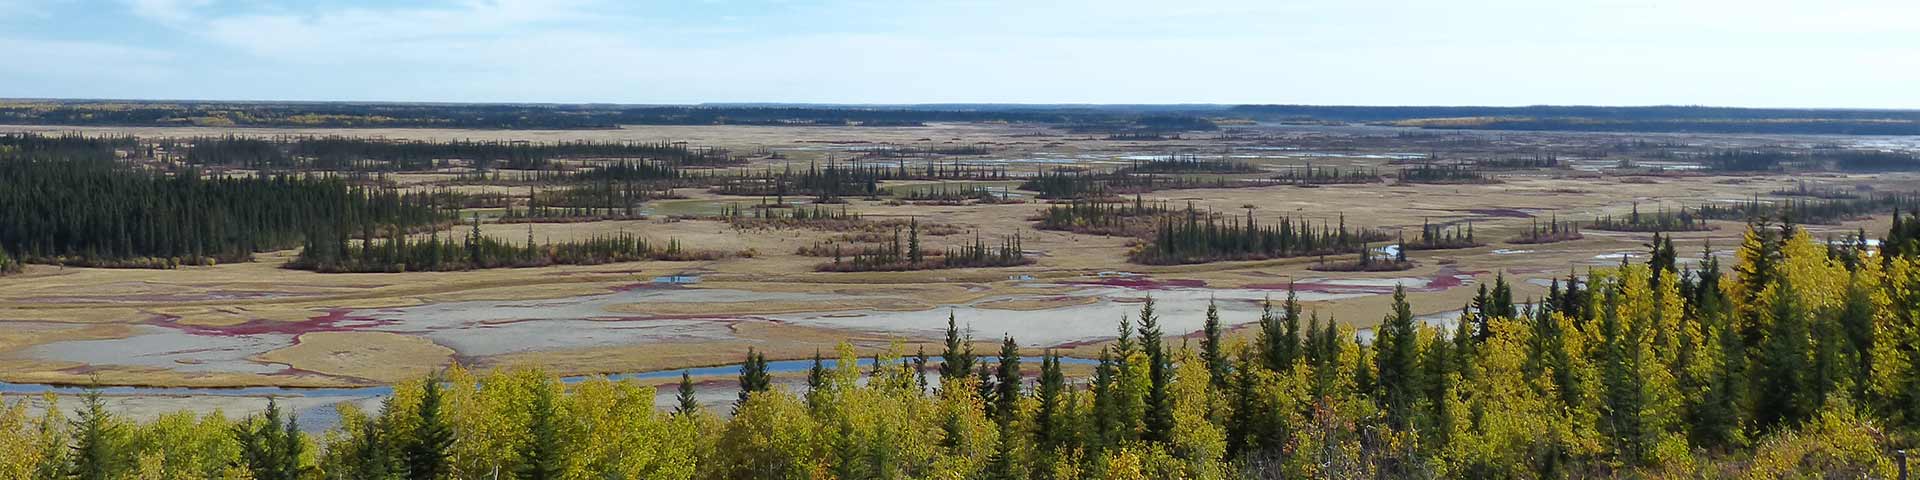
x: 1763, y: 53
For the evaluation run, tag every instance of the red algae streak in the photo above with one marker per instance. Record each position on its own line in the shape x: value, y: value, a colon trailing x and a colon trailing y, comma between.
x: 1144, y: 283
x: 335, y: 320
x: 1448, y: 277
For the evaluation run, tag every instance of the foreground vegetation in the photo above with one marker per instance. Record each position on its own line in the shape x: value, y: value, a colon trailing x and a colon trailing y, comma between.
x: 1800, y: 362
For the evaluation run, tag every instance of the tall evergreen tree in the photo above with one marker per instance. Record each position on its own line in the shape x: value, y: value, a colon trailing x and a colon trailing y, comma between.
x: 753, y: 376
x: 1784, y: 362
x: 1500, y: 306
x: 1241, y: 421
x: 265, y: 449
x: 1105, y: 402
x: 543, y: 456
x: 1624, y: 390
x: 685, y: 403
x: 426, y: 453
x: 920, y: 369
x: 97, y: 452
x: 1437, y: 365
x: 1290, y: 344
x: 1397, y: 359
x: 986, y: 390
x: 1857, y: 325
x: 1210, y: 347
x: 1718, y: 418
x: 1050, y: 429
x: 1159, y: 404
x: 957, y: 362
x: 1007, y: 381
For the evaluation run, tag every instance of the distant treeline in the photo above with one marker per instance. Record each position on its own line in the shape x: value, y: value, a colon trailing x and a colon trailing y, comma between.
x: 1819, y: 159
x: 529, y: 116
x: 828, y: 182
x: 372, y: 154
x: 1594, y: 118
x: 33, y: 146
x: 1814, y: 211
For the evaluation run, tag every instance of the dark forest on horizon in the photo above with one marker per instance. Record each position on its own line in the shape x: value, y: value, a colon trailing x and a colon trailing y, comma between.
x: 1083, y: 118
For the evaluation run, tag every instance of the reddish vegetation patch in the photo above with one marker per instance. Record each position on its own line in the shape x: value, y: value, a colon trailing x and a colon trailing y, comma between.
x: 1448, y: 277
x: 335, y: 320
x: 1144, y: 283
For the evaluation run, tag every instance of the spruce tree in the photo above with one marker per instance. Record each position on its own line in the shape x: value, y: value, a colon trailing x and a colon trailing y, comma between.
x: 1437, y: 368
x: 1718, y: 419
x: 1502, y: 304
x: 1624, y: 394
x: 1857, y: 325
x: 263, y: 451
x: 1050, y: 421
x: 1290, y: 344
x: 1272, y: 338
x: 986, y: 390
x: 425, y: 455
x: 1210, y: 347
x: 1105, y: 400
x: 685, y: 403
x: 1784, y: 362
x: 542, y: 457
x: 293, y: 446
x: 1159, y: 404
x: 1007, y: 381
x: 957, y: 362
x: 920, y: 369
x: 753, y: 376
x: 1397, y: 358
x: 1241, y: 423
x: 96, y: 452
x: 372, y: 457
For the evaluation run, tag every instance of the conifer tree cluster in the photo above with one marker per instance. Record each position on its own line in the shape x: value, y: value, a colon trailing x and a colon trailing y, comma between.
x: 907, y: 253
x: 830, y: 182
x: 1187, y: 163
x: 1553, y: 231
x: 1198, y: 237
x: 1131, y: 219
x: 97, y: 213
x: 340, y: 153
x: 1662, y: 220
x: 398, y: 251
x: 1075, y: 183
x: 1312, y: 175
x: 1444, y: 174
x: 949, y: 194
x: 1442, y: 237
x: 68, y: 146
x: 1810, y: 211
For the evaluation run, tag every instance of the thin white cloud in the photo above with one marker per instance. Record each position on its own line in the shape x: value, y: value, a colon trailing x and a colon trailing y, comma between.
x: 171, y: 11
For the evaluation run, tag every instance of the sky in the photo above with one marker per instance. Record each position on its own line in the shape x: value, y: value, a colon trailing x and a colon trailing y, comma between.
x: 1749, y: 53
